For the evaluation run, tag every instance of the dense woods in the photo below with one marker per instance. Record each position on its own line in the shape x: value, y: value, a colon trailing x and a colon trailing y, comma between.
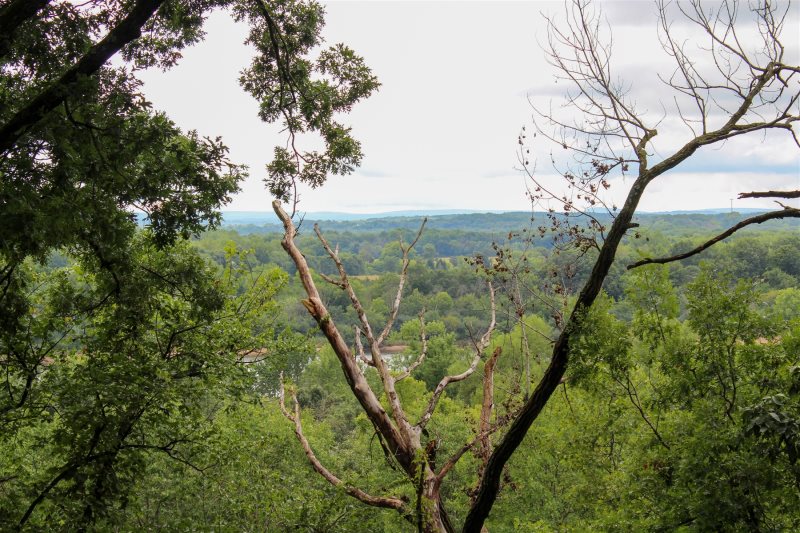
x: 683, y: 400
x: 581, y: 366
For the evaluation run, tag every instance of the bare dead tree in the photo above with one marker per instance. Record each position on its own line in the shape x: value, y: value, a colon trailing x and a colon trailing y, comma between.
x: 487, y: 409
x: 741, y: 88
x: 401, y: 437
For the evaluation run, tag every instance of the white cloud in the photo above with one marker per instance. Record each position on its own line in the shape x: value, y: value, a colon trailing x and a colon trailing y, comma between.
x: 441, y: 132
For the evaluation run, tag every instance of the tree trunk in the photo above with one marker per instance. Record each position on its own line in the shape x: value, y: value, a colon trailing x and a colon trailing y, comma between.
x: 433, y: 517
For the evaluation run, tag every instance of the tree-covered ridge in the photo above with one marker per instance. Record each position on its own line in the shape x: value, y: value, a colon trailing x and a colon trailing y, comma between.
x: 766, y: 249
x: 439, y: 279
x: 495, y: 222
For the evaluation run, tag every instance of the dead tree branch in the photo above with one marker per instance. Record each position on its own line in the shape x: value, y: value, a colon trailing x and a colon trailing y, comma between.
x: 375, y: 501
x: 374, y: 344
x: 401, y: 441
x: 480, y: 346
x: 770, y: 194
x: 758, y: 219
x: 395, y: 442
x: 403, y: 275
x: 487, y: 408
x: 360, y: 349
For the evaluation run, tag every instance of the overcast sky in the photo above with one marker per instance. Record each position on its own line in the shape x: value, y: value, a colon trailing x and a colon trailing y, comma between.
x: 458, y: 79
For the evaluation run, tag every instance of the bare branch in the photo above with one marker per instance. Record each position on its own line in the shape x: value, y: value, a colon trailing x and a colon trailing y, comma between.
x: 403, y: 274
x: 400, y: 441
x: 480, y: 346
x: 374, y: 501
x: 487, y: 407
x: 757, y: 89
x: 770, y: 194
x: 395, y: 441
x: 758, y: 219
x: 374, y: 344
x: 360, y: 348
x: 345, y: 285
x: 331, y: 280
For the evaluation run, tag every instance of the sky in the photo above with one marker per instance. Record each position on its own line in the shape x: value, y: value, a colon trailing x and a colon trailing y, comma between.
x: 458, y: 82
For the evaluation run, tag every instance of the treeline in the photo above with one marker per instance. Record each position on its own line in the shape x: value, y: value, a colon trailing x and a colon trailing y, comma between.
x: 500, y: 223
x: 442, y: 275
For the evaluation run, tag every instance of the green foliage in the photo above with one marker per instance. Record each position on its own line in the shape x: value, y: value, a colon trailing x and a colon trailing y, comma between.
x: 647, y: 433
x: 119, y: 354
x: 785, y: 305
x: 125, y: 365
x: 442, y: 351
x: 255, y: 477
x: 305, y: 95
x: 602, y: 345
x: 655, y: 304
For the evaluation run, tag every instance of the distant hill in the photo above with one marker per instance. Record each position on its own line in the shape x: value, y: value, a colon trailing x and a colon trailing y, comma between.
x: 268, y: 217
x: 238, y: 218
x: 713, y: 211
x: 487, y: 222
